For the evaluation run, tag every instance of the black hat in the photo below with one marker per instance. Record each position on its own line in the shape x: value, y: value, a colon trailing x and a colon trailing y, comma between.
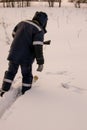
x: 42, y: 18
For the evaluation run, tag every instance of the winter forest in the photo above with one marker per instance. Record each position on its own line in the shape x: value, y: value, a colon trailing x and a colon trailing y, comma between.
x: 28, y: 3
x: 58, y: 99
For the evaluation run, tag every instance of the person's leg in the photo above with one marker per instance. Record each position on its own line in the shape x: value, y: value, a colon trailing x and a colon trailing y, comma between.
x: 26, y: 71
x: 9, y: 77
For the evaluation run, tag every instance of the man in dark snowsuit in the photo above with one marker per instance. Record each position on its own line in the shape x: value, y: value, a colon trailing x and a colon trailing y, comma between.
x: 26, y: 46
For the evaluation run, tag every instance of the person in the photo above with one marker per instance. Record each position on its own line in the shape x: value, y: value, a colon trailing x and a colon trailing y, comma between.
x: 27, y: 45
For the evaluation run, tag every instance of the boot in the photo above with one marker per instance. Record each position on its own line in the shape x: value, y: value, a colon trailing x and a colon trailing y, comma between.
x: 24, y: 89
x: 2, y: 92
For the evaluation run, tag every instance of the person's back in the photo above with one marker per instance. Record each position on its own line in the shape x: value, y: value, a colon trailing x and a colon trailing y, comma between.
x: 22, y: 49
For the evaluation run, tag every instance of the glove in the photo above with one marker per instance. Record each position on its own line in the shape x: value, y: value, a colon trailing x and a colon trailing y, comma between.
x: 40, y: 68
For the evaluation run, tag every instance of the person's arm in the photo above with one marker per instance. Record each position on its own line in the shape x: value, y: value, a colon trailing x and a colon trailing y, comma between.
x: 38, y: 48
x: 39, y: 54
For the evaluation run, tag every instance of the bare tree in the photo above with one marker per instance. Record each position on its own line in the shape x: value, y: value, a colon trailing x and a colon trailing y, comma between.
x: 59, y: 3
x: 77, y: 3
x: 4, y: 2
x: 12, y: 3
x: 28, y: 3
x: 51, y: 3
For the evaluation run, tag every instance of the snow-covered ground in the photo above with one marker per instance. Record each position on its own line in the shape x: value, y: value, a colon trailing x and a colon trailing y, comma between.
x: 58, y: 100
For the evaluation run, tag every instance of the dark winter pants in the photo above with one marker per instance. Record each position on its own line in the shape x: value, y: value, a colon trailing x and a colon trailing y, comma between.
x: 26, y: 70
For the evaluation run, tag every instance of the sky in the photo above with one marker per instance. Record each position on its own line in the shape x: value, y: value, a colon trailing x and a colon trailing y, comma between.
x: 58, y: 99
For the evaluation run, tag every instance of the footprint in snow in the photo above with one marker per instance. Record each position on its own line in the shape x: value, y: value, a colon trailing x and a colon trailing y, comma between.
x: 74, y: 88
x: 57, y: 73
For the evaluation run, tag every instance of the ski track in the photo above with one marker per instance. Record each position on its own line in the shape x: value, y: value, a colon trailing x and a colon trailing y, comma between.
x: 8, y: 99
x: 11, y: 96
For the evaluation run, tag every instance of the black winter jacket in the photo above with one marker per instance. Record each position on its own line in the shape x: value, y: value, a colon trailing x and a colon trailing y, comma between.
x: 27, y: 43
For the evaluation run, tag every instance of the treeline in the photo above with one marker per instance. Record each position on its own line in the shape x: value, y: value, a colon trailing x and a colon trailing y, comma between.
x: 16, y: 3
x: 26, y: 3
